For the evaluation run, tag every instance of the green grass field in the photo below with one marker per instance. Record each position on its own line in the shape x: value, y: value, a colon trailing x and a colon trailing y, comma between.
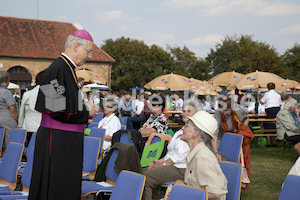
x: 268, y: 171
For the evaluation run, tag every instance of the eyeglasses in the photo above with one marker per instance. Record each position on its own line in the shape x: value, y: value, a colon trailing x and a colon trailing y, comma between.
x: 154, y: 105
x: 89, y: 51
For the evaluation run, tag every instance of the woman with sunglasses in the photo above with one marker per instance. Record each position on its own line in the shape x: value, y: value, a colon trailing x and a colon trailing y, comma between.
x: 157, y: 122
x: 110, y: 122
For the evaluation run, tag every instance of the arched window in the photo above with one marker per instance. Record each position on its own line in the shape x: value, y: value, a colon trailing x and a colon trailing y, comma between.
x: 20, y: 76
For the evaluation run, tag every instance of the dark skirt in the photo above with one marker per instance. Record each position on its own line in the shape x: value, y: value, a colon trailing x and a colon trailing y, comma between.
x: 271, y: 114
x: 57, y: 166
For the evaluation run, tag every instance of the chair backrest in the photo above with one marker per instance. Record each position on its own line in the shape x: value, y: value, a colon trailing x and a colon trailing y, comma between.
x: 123, y: 127
x: 179, y: 192
x: 31, y: 144
x: 26, y: 177
x: 10, y: 163
x: 18, y: 136
x: 125, y: 138
x: 110, y: 172
x: 129, y: 185
x: 290, y: 189
x: 98, y: 133
x: 156, y: 137
x: 91, y: 149
x: 233, y: 174
x: 230, y: 146
x: 2, y: 130
x: 98, y: 117
x: 92, y: 125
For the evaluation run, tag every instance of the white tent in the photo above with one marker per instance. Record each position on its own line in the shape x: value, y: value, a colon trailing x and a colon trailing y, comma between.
x: 13, y: 86
x: 97, y: 86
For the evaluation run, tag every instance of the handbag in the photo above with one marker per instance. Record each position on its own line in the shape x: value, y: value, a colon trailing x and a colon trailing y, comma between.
x: 125, y: 113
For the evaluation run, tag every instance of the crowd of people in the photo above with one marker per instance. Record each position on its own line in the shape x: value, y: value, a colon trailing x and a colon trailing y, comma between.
x: 192, y: 154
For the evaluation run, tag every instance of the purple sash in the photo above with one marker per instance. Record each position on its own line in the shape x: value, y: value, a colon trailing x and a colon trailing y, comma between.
x: 48, y: 122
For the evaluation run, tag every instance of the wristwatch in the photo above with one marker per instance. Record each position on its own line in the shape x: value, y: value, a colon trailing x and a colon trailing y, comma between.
x: 164, y: 164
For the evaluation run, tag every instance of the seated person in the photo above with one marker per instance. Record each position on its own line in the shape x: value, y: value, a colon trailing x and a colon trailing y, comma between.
x: 138, y: 115
x: 202, y: 167
x: 232, y: 118
x: 287, y: 123
x: 157, y: 122
x: 256, y: 108
x: 110, y: 122
x: 205, y: 105
x: 172, y: 166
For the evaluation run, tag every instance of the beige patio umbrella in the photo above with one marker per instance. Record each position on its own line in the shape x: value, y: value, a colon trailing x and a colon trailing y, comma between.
x: 290, y: 84
x: 169, y: 81
x: 90, y: 76
x: 225, y: 78
x: 198, y: 85
x: 206, y: 92
x: 257, y: 80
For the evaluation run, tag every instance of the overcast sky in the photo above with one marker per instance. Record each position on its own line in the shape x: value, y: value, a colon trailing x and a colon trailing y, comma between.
x: 197, y: 24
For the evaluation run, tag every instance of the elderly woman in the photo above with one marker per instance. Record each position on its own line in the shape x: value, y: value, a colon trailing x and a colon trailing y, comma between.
x: 234, y: 119
x: 110, y: 122
x: 172, y: 166
x: 203, y: 169
x: 287, y: 123
x: 8, y: 113
x: 157, y: 122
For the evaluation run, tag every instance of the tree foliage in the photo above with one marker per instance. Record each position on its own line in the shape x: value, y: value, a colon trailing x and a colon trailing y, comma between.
x: 291, y: 59
x: 242, y: 54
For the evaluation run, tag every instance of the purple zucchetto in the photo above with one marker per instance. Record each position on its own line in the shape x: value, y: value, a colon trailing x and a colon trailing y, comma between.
x: 83, y: 34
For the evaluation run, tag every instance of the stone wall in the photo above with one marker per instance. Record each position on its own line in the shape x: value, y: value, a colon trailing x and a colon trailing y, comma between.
x: 34, y: 66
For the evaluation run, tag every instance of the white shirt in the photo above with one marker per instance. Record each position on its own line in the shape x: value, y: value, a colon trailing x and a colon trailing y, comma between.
x: 139, y: 105
x: 29, y: 118
x: 177, y: 150
x: 205, y: 105
x: 271, y: 99
x: 295, y: 170
x: 111, y: 124
x: 251, y: 106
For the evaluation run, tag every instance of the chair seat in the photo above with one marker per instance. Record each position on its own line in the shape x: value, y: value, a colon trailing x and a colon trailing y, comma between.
x: 92, y: 187
x: 9, y: 195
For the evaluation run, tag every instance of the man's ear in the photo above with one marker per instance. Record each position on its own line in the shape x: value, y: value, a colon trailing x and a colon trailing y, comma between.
x: 76, y: 45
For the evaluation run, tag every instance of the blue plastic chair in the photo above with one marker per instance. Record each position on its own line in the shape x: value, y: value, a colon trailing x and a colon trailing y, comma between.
x: 180, y: 192
x: 230, y: 146
x: 93, y: 125
x: 125, y: 138
x: 290, y: 189
x: 29, y: 150
x: 2, y: 131
x: 129, y: 185
x: 91, y: 150
x: 98, y: 117
x: 90, y: 187
x: 233, y: 174
x: 26, y: 179
x: 10, y: 164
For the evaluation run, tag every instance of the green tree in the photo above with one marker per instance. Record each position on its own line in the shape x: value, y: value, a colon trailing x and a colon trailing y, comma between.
x: 291, y: 60
x: 242, y: 54
x: 136, y: 63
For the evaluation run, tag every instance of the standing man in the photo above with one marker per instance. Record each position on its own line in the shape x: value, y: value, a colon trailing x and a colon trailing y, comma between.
x: 57, y: 166
x: 272, y: 102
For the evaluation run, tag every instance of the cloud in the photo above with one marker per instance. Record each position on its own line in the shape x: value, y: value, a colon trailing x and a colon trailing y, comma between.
x: 290, y: 30
x: 258, y: 8
x: 205, y: 40
x: 115, y: 16
x: 159, y: 39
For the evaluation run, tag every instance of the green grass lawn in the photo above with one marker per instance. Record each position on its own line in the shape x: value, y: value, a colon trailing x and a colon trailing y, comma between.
x: 268, y: 171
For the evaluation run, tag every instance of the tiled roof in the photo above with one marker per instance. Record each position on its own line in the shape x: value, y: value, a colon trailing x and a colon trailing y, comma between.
x: 31, y: 38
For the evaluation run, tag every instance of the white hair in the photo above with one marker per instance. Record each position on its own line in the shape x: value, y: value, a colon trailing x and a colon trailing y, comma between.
x: 72, y: 39
x: 290, y: 103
